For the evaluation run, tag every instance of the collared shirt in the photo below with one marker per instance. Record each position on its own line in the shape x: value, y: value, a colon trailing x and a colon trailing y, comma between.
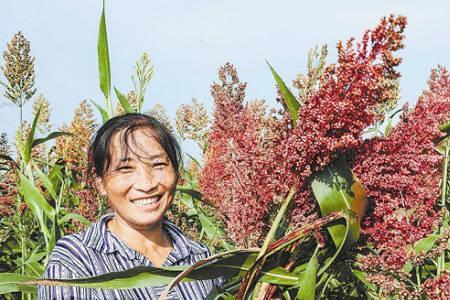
x: 97, y: 251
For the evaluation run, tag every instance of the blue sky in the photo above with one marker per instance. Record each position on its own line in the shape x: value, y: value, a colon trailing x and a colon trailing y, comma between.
x: 188, y: 40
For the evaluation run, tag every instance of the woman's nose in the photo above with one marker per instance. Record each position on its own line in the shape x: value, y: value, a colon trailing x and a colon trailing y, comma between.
x: 145, y: 181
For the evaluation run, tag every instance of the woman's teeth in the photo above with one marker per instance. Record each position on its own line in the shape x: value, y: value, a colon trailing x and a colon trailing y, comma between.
x: 147, y: 201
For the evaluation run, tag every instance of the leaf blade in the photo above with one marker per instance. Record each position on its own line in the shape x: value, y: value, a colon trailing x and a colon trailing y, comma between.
x: 291, y: 101
x: 124, y: 101
x: 104, y: 67
x: 336, y: 188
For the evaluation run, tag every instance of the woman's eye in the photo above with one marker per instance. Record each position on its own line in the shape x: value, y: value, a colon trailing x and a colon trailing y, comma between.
x: 123, y: 168
x: 159, y: 165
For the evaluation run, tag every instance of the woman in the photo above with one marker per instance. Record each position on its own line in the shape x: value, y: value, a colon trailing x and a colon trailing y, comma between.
x: 136, y: 162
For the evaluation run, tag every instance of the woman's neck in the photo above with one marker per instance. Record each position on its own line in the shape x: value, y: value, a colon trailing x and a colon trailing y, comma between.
x: 152, y: 241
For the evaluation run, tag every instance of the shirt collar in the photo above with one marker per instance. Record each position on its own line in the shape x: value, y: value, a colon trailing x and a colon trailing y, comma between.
x: 100, y: 238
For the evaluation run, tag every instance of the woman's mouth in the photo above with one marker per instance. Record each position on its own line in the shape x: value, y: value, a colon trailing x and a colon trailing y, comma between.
x: 150, y: 201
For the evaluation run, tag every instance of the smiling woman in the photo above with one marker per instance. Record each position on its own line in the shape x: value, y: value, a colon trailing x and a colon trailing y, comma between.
x: 136, y: 163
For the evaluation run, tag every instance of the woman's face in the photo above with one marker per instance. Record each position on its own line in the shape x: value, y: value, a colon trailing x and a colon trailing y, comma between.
x: 140, y: 185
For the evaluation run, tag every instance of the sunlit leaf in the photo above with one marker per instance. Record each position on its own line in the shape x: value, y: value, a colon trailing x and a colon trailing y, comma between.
x: 15, y: 282
x: 103, y: 112
x: 103, y: 57
x: 34, y: 198
x: 124, y: 101
x: 74, y: 216
x: 225, y: 264
x: 46, y: 182
x: 291, y: 102
x: 30, y: 139
x: 308, y: 280
x: 425, y: 244
x: 52, y: 135
x: 336, y: 188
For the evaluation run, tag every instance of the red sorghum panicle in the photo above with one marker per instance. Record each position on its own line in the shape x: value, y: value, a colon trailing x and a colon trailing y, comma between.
x: 401, y: 174
x: 332, y: 120
x: 437, y: 288
x: 236, y: 177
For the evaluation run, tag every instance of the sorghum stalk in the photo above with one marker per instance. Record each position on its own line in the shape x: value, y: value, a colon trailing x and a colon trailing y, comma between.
x: 441, y: 258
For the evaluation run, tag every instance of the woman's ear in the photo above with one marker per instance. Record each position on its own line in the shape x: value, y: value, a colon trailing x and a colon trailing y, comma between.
x: 100, y: 186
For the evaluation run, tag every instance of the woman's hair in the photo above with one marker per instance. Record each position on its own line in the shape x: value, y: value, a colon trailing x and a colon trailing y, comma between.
x: 100, y: 148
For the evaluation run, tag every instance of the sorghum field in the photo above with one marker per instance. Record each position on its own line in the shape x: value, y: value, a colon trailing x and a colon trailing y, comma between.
x: 336, y: 193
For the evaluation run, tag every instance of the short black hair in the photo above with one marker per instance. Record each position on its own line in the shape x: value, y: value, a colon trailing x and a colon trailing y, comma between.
x: 100, y: 148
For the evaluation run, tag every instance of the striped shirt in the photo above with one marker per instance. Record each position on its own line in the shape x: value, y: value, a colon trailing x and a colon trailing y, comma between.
x: 97, y: 251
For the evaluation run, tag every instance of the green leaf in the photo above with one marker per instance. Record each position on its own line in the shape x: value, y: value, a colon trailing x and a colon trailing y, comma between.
x: 445, y: 127
x: 46, y: 182
x: 308, y: 279
x: 103, y: 112
x: 10, y: 282
x: 388, y: 127
x: 124, y: 101
x: 336, y: 188
x: 52, y: 135
x: 425, y: 244
x: 281, y: 215
x: 34, y: 198
x: 225, y: 264
x: 407, y: 267
x: 191, y: 192
x: 30, y: 139
x: 362, y: 277
x: 55, y: 175
x: 103, y: 57
x: 291, y: 101
x: 74, y: 216
x: 213, y: 230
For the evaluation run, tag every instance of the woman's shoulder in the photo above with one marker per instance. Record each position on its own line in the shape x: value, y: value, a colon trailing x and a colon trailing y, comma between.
x: 77, y: 249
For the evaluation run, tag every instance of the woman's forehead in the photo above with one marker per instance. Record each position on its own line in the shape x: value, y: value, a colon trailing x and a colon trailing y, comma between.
x: 140, y: 143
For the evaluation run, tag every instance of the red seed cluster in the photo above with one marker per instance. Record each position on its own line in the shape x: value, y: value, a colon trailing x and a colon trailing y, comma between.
x: 331, y: 121
x: 8, y: 194
x: 235, y: 177
x: 437, y: 288
x: 401, y: 174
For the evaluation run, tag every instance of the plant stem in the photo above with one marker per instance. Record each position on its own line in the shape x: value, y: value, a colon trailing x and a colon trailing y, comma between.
x: 277, y: 221
x: 441, y: 258
x: 444, y: 175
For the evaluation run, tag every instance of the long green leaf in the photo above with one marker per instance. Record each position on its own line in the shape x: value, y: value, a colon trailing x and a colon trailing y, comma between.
x: 124, y: 101
x: 291, y: 102
x: 10, y: 282
x: 144, y: 276
x: 30, y: 139
x: 52, y: 135
x: 308, y: 279
x: 103, y: 57
x: 336, y: 188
